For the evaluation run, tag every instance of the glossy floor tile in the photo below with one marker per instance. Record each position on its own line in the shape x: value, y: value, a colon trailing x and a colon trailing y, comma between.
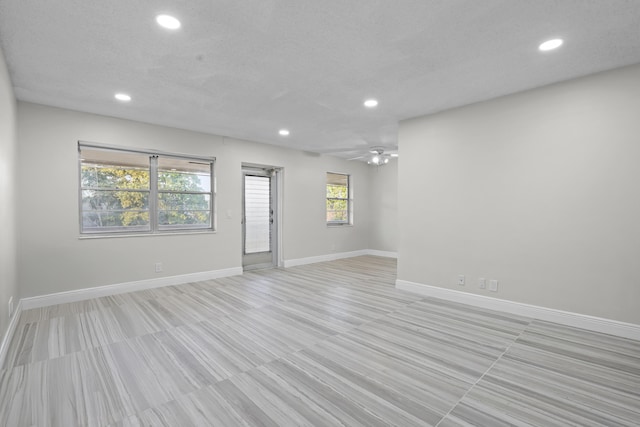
x: 327, y: 344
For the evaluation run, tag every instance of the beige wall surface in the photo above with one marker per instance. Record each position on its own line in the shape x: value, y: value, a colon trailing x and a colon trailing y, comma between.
x: 384, y: 207
x: 539, y: 190
x: 8, y: 144
x: 52, y: 257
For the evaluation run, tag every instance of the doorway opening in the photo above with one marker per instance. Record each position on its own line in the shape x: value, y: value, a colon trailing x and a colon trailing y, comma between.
x: 260, y: 217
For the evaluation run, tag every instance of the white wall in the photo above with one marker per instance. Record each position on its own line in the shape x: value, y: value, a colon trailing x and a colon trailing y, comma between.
x: 384, y: 207
x: 52, y: 258
x: 8, y: 143
x: 540, y: 190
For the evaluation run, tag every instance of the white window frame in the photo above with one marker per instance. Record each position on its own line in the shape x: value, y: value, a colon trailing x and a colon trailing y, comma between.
x: 154, y: 192
x: 348, y: 199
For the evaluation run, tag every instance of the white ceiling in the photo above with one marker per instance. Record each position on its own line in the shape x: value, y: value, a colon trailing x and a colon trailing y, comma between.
x: 247, y: 68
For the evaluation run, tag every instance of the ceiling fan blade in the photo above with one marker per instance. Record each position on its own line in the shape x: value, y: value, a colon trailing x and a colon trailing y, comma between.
x: 356, y: 158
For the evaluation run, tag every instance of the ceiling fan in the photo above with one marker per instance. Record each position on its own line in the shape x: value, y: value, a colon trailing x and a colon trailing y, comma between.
x: 376, y: 156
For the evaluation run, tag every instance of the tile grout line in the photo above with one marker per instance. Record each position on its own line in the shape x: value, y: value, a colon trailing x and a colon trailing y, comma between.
x: 485, y: 372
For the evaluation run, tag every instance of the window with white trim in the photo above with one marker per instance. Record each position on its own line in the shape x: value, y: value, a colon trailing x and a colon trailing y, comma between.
x: 132, y: 191
x: 338, y: 199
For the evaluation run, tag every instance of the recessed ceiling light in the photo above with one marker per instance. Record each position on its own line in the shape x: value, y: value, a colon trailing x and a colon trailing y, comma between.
x: 550, y: 44
x: 284, y: 132
x: 370, y: 103
x: 123, y: 97
x: 168, y: 21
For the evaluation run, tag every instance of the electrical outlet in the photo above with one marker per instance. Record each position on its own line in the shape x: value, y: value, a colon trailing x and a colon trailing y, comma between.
x: 158, y: 267
x: 482, y: 283
x: 461, y: 280
x: 493, y: 285
x: 10, y: 307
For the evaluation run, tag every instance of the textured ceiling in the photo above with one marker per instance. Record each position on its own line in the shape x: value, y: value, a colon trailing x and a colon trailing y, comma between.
x: 246, y: 68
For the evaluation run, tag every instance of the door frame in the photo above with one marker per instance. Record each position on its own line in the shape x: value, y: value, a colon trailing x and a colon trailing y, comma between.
x: 277, y: 175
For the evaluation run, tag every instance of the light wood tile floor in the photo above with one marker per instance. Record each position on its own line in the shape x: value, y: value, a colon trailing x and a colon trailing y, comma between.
x: 318, y: 345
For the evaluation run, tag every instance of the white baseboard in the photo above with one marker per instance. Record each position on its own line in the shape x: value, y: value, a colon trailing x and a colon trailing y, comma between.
x: 337, y: 255
x: 120, y: 288
x: 8, y: 335
x: 583, y: 321
x: 322, y: 258
x: 386, y: 254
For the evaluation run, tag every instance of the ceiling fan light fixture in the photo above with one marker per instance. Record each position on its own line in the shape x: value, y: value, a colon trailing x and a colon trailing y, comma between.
x: 377, y: 156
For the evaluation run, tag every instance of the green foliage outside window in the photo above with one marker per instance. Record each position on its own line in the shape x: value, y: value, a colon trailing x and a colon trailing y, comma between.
x: 337, y: 198
x: 178, y: 202
x: 115, y: 196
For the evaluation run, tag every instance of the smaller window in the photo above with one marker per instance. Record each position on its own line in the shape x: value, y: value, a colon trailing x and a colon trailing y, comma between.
x: 338, y: 199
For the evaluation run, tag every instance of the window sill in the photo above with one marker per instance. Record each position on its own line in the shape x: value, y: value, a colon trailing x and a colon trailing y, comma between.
x: 168, y: 233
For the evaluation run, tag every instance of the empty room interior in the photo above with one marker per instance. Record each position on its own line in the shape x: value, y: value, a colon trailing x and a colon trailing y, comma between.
x: 319, y: 213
